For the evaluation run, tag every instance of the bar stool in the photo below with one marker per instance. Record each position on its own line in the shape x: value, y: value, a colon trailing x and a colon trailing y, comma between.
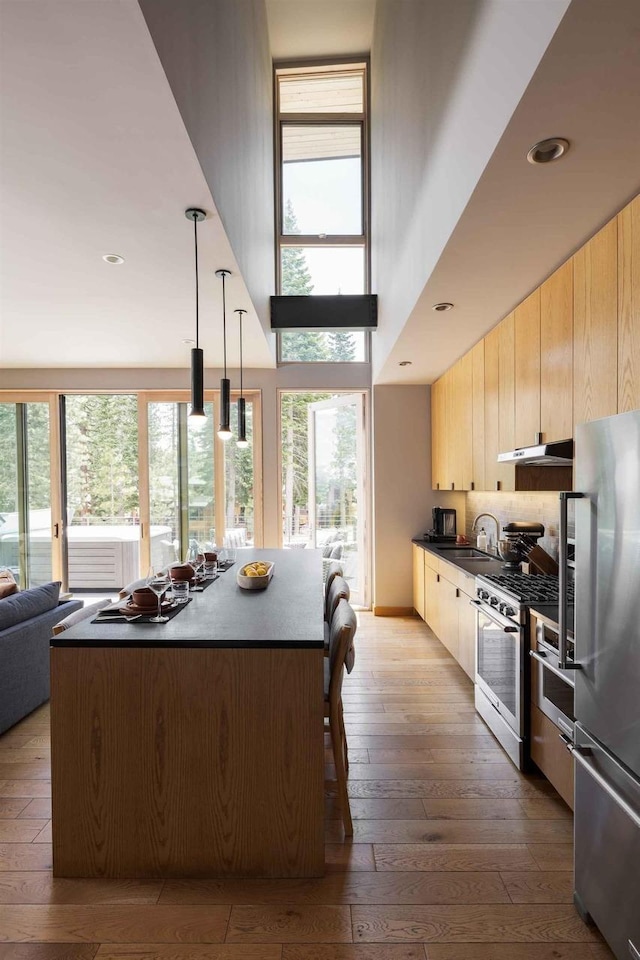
x: 341, y: 657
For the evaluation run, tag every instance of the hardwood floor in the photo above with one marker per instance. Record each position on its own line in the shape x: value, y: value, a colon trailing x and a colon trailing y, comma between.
x: 455, y: 855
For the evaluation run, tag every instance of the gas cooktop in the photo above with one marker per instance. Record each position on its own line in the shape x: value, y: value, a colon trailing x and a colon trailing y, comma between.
x: 526, y: 588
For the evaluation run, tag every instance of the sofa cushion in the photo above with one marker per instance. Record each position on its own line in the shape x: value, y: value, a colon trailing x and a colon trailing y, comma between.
x: 28, y: 603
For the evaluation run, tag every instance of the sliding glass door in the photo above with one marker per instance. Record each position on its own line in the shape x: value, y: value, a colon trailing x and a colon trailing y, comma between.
x: 27, y: 523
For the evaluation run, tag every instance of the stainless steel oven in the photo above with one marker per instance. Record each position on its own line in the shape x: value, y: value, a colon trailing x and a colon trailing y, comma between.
x: 553, y: 687
x: 499, y: 693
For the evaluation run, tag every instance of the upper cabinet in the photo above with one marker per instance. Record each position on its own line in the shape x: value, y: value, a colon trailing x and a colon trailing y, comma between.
x: 568, y: 353
x: 629, y: 307
x: 527, y: 371
x: 477, y: 417
x: 556, y: 350
x: 595, y: 326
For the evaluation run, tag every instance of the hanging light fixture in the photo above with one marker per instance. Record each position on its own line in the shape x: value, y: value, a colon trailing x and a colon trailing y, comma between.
x: 197, y: 357
x: 242, y: 409
x: 225, y: 385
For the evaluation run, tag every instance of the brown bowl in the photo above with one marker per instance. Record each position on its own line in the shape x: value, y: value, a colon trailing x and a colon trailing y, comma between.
x: 144, y: 597
x: 210, y: 557
x: 182, y: 571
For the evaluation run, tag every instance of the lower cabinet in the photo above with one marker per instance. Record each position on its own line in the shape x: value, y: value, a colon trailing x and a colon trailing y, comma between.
x: 442, y: 599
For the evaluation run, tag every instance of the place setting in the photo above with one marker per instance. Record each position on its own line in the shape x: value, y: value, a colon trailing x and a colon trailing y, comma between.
x: 159, y: 601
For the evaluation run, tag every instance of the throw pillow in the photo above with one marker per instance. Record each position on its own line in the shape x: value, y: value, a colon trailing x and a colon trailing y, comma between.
x: 7, y: 587
x: 28, y: 603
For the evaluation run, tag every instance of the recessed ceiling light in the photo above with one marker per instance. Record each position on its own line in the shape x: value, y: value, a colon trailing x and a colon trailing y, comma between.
x: 405, y: 363
x: 545, y: 151
x: 113, y: 258
x: 187, y: 340
x: 440, y: 307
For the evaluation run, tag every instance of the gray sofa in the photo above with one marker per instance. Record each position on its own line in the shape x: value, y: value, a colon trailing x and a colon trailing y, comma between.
x: 24, y: 650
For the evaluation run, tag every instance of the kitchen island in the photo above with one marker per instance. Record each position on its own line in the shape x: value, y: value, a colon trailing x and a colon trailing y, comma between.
x: 194, y: 748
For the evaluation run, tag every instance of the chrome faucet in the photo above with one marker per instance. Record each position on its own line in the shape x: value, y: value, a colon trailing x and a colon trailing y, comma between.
x: 495, y: 520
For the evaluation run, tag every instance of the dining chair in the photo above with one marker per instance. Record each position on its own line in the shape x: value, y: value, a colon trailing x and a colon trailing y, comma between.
x: 334, y: 569
x: 339, y: 590
x: 79, y: 615
x: 341, y: 657
x: 135, y: 585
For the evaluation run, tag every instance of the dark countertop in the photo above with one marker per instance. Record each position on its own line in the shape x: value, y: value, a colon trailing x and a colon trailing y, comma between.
x: 288, y: 614
x: 471, y: 567
x: 548, y: 612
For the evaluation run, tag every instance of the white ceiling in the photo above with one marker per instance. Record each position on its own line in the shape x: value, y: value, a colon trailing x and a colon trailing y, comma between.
x: 523, y: 221
x: 300, y: 29
x: 96, y: 160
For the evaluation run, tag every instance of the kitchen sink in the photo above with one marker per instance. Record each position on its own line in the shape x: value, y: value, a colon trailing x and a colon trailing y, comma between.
x: 465, y: 553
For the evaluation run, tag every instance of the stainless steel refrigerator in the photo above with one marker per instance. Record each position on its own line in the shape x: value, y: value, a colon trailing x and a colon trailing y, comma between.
x: 606, y: 746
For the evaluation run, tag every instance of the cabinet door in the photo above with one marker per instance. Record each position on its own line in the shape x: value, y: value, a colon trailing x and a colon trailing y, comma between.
x: 418, y: 580
x: 466, y: 635
x: 477, y: 417
x: 491, y: 399
x: 438, y: 434
x: 432, y: 599
x: 556, y: 349
x: 629, y: 307
x: 595, y: 320
x: 448, y: 616
x: 506, y: 399
x: 527, y: 370
x: 464, y: 423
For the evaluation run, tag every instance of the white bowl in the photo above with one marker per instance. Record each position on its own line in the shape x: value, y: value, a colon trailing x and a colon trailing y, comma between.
x: 255, y: 583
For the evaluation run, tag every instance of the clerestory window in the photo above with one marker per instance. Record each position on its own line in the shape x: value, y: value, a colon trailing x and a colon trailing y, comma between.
x: 322, y: 198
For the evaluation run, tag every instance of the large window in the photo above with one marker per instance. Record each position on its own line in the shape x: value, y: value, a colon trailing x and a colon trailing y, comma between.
x: 322, y: 197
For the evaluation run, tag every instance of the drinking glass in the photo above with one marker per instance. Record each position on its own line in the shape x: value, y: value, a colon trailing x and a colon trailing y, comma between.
x: 195, y: 557
x: 158, y: 581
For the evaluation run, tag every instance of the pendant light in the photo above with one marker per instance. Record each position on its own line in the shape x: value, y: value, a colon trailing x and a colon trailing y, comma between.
x: 242, y: 441
x: 197, y: 356
x: 225, y: 385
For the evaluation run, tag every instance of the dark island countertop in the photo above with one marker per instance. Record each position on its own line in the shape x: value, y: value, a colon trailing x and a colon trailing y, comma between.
x: 288, y: 614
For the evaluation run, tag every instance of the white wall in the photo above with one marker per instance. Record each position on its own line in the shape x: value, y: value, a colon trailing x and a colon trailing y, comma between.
x: 216, y: 56
x: 402, y: 495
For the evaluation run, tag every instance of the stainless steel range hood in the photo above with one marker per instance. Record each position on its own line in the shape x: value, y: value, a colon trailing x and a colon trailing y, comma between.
x: 558, y: 454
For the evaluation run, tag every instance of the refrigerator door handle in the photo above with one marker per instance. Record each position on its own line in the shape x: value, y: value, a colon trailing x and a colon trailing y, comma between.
x: 634, y: 953
x: 563, y: 663
x: 581, y: 755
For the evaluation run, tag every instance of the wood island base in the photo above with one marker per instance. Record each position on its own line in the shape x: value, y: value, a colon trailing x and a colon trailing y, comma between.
x: 187, y: 762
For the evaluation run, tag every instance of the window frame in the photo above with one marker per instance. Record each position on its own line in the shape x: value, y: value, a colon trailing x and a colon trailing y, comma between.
x: 301, y: 69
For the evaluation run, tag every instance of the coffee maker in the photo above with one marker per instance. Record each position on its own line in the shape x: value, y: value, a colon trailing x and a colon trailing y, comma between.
x: 444, y: 526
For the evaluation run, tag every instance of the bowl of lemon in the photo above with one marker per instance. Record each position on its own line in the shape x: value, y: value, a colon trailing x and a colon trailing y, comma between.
x: 255, y: 575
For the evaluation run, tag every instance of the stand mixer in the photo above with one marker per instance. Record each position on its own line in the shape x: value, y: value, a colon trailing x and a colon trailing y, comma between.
x: 517, y: 539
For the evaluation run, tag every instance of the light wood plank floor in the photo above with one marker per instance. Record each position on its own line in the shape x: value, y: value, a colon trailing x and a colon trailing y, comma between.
x: 455, y: 855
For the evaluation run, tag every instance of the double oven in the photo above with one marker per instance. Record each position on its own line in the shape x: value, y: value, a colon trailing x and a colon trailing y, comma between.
x: 553, y: 689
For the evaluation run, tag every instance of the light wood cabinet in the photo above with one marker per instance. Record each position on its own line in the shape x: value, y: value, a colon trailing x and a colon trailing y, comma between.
x: 556, y: 349
x: 595, y: 327
x: 629, y: 307
x: 466, y: 634
x: 506, y: 399
x: 527, y: 371
x: 418, y: 580
x: 432, y: 600
x: 448, y: 615
x: 438, y: 434
x: 477, y: 417
x: 491, y: 401
x: 463, y: 426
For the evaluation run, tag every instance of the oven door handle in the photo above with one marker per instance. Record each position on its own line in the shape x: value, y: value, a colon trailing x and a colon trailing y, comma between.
x: 502, y: 622
x: 541, y: 658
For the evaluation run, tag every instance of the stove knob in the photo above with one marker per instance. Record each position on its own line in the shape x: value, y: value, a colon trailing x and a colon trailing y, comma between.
x: 483, y: 594
x: 508, y: 611
x: 493, y: 601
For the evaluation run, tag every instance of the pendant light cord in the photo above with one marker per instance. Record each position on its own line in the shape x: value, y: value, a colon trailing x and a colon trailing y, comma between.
x: 241, y: 312
x: 195, y: 242
x: 224, y: 327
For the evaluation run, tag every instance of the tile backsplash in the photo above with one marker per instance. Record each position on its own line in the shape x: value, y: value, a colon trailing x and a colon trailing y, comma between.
x: 535, y: 507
